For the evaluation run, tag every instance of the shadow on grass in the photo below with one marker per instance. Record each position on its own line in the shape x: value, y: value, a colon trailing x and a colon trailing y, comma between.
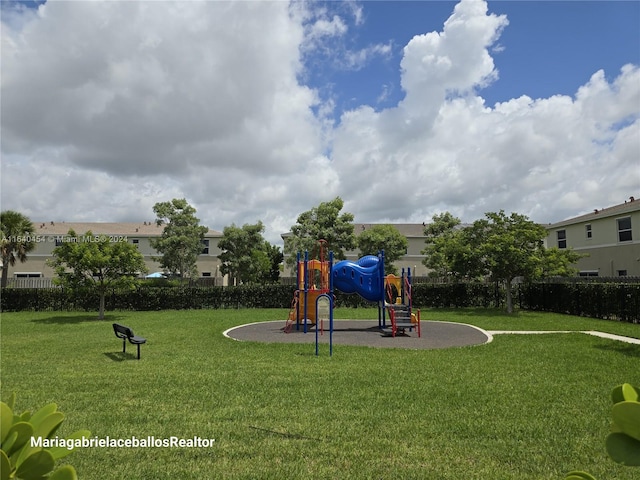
x: 628, y: 349
x: 120, y: 357
x: 71, y: 319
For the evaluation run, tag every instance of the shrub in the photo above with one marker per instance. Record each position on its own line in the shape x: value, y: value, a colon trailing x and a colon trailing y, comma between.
x: 623, y: 443
x: 618, y: 301
x: 613, y: 301
x: 18, y: 458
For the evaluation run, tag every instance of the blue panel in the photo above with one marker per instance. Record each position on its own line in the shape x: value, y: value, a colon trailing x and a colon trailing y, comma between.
x: 362, y: 277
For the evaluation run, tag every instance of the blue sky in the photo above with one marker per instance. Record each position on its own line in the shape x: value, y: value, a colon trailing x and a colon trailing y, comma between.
x: 261, y: 110
x: 548, y: 48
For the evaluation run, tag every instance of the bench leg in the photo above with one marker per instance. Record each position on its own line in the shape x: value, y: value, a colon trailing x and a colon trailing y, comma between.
x: 124, y: 345
x: 138, y: 351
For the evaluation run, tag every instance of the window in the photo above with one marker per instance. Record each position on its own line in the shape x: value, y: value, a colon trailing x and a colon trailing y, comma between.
x: 588, y: 273
x: 205, y: 249
x: 622, y: 273
x: 135, y: 241
x: 206, y: 274
x: 27, y: 275
x: 588, y: 231
x: 624, y: 229
x: 562, y: 238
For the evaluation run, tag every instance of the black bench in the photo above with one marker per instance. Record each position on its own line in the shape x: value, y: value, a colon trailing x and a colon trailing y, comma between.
x: 125, y: 333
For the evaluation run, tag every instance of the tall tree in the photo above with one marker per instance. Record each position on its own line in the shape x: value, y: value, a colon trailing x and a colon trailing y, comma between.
x: 559, y: 263
x: 507, y: 247
x: 182, y: 238
x: 246, y: 256
x: 499, y: 247
x: 441, y: 224
x: 324, y: 222
x: 443, y: 249
x: 96, y: 262
x: 383, y: 237
x: 275, y: 256
x: 18, y: 239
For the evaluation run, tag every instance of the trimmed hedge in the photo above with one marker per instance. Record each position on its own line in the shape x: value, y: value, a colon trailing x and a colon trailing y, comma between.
x: 244, y: 296
x: 617, y: 301
x: 456, y: 295
x: 441, y: 295
x: 612, y: 301
x: 147, y: 298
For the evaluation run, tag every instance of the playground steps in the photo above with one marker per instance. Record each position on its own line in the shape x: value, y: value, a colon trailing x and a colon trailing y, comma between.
x: 401, y: 319
x: 402, y: 315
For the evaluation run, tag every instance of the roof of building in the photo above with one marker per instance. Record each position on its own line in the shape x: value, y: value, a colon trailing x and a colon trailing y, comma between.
x: 631, y: 205
x: 406, y: 229
x: 142, y: 229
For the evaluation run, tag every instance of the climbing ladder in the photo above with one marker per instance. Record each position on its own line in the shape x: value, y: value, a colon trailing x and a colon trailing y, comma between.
x: 293, y: 312
x: 402, y: 317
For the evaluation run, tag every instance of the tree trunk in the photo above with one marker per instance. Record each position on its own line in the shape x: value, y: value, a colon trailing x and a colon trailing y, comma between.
x: 509, y: 297
x: 5, y: 273
x: 101, y: 314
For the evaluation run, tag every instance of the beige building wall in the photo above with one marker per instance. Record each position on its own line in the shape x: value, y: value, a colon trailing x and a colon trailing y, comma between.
x: 49, y: 234
x: 602, y: 235
x: 609, y: 237
x: 613, y: 250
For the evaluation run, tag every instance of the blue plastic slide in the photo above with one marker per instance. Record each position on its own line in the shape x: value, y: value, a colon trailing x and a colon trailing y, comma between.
x: 363, y: 277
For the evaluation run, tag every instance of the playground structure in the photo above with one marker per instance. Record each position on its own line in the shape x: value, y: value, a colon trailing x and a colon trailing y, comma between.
x: 317, y: 279
x: 399, y: 303
x: 313, y: 281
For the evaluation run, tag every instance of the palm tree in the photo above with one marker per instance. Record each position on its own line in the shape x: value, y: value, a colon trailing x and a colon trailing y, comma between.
x: 17, y: 240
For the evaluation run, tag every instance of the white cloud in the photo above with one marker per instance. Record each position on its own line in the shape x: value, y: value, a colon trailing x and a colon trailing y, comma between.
x: 198, y: 98
x: 441, y: 147
x: 454, y: 61
x: 110, y: 107
x: 163, y: 90
x: 356, y: 10
x: 356, y: 59
x: 386, y: 90
x: 327, y: 28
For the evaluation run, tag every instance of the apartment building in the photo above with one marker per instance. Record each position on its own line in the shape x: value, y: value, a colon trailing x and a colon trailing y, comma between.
x: 48, y: 235
x: 610, y: 238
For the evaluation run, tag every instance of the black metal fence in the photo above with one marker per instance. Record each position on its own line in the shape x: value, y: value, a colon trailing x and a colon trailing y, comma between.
x: 615, y: 301
x: 612, y: 301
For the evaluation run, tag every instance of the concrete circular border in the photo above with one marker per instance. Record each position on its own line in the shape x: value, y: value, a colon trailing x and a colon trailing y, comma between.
x: 434, y: 334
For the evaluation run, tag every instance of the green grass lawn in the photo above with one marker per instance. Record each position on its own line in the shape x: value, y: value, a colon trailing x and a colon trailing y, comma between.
x: 521, y: 407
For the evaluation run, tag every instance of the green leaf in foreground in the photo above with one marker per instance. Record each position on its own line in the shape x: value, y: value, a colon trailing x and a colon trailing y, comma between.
x: 623, y: 449
x: 577, y: 475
